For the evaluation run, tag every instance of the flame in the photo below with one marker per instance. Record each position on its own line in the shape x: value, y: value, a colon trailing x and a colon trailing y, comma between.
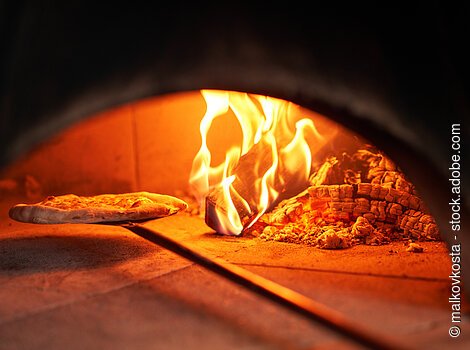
x: 273, y: 156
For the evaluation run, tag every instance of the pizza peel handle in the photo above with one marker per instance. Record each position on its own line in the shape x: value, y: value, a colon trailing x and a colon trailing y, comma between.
x: 279, y: 294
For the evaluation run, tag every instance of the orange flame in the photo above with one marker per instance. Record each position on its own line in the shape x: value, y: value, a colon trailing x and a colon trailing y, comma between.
x: 280, y: 159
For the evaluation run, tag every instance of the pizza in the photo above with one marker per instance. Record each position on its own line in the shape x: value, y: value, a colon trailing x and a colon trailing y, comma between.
x: 71, y: 208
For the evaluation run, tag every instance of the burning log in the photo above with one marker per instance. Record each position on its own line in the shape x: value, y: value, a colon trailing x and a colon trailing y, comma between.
x: 217, y: 206
x: 240, y: 197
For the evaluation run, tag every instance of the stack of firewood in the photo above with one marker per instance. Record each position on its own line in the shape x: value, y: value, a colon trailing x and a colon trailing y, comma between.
x: 361, y: 198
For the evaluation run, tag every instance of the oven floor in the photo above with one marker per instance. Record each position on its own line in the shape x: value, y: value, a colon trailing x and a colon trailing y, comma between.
x: 102, y: 287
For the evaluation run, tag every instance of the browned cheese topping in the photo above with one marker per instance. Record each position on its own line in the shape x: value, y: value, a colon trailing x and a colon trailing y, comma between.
x: 104, y: 202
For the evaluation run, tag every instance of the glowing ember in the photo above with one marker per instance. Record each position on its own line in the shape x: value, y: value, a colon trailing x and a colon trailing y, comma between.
x: 273, y: 157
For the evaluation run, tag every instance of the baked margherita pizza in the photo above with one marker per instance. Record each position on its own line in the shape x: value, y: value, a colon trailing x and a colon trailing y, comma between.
x: 71, y: 208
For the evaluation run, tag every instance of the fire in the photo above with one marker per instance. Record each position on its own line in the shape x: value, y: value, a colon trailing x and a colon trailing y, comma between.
x: 274, y: 157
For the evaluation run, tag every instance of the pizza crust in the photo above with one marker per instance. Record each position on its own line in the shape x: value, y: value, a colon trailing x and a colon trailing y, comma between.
x: 94, y: 209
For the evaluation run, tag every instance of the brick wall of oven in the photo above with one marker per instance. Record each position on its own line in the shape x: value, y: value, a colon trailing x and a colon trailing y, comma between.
x: 145, y: 145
